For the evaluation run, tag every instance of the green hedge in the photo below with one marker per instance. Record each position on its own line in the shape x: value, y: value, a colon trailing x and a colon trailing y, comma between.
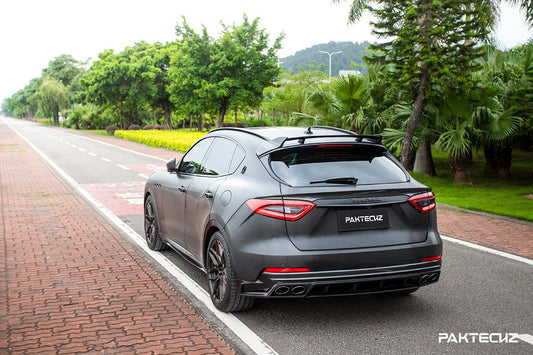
x: 175, y: 140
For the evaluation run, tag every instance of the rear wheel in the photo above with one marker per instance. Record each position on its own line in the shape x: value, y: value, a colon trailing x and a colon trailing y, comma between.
x: 223, y: 287
x: 151, y: 230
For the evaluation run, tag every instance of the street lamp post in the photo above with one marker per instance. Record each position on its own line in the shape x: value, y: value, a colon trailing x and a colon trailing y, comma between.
x: 330, y: 54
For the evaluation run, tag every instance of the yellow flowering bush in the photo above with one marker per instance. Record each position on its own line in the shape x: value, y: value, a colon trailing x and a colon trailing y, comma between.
x: 175, y: 140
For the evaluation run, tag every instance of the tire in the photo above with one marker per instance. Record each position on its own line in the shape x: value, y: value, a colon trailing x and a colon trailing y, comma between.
x: 151, y: 229
x: 223, y: 287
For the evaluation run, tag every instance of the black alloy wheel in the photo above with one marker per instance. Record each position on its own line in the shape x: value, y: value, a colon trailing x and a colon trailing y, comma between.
x: 223, y: 288
x: 151, y: 230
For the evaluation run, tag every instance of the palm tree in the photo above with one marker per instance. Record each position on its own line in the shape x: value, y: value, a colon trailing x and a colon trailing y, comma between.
x: 500, y: 105
x: 340, y: 103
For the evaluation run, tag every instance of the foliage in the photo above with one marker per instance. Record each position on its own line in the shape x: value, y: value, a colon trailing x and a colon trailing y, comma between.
x: 52, y: 97
x: 68, y: 71
x: 231, y: 71
x: 289, y: 95
x: 123, y: 81
x: 176, y: 140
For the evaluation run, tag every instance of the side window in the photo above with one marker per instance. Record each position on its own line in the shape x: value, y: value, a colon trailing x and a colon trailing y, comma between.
x: 192, y: 161
x: 221, y: 156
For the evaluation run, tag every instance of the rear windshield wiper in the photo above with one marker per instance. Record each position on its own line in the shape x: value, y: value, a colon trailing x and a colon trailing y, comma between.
x: 343, y: 180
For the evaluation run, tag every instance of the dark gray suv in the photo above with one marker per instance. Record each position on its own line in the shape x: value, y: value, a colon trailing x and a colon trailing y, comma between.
x: 294, y: 212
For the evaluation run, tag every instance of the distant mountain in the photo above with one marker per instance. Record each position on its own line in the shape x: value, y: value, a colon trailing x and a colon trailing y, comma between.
x: 351, y: 52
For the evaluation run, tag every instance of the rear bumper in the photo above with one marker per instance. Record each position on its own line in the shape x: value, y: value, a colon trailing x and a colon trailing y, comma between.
x: 344, y: 282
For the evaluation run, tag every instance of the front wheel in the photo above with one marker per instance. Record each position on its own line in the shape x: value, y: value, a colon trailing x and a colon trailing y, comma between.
x: 151, y: 229
x: 223, y: 287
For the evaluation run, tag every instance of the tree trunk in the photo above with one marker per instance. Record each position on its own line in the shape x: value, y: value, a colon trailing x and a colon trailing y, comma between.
x: 504, y: 161
x: 222, y: 113
x: 459, y: 176
x: 414, y: 118
x: 168, y: 118
x: 200, y: 123
x: 459, y: 166
x: 490, y: 159
x: 56, y: 117
x: 424, y: 160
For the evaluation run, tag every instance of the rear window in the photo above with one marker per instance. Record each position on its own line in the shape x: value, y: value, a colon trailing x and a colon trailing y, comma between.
x: 310, y: 165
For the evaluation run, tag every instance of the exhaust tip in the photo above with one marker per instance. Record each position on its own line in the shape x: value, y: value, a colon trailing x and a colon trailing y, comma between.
x: 424, y: 278
x: 298, y: 290
x: 434, y: 277
x: 281, y: 290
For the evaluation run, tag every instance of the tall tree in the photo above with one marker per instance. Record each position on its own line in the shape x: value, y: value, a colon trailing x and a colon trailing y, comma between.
x: 188, y: 72
x: 157, y: 60
x: 52, y: 97
x: 124, y: 81
x: 229, y: 72
x: 64, y: 68
x: 432, y: 45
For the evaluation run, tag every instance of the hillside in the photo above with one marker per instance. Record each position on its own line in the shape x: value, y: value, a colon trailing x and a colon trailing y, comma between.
x: 351, y: 52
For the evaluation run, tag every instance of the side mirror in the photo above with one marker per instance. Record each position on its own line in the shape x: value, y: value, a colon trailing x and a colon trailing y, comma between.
x: 171, y: 165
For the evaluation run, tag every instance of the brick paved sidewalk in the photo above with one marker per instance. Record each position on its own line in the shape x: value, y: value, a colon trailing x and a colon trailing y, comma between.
x: 70, y: 283
x: 492, y: 231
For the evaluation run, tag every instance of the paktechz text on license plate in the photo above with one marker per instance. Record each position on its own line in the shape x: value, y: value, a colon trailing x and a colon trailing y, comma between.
x: 353, y: 220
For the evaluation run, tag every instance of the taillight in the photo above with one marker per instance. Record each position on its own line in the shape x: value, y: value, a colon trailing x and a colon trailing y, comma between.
x: 432, y: 258
x: 289, y: 210
x: 287, y: 269
x: 423, y: 202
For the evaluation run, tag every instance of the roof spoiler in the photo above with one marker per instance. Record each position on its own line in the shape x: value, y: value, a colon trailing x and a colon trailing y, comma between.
x: 280, y: 142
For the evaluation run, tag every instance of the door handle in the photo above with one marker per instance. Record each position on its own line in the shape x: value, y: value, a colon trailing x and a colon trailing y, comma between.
x: 182, y: 189
x: 208, y: 194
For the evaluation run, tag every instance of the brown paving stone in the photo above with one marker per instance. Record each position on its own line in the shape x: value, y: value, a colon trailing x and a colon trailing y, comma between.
x: 70, y: 283
x: 490, y: 231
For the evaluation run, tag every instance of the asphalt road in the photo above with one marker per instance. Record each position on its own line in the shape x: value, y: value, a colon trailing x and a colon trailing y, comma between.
x: 478, y: 292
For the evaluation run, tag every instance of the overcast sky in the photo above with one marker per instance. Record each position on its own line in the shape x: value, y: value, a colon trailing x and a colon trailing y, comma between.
x: 33, y: 32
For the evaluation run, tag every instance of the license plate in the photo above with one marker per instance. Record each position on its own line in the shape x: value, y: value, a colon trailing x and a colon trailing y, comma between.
x: 354, y: 220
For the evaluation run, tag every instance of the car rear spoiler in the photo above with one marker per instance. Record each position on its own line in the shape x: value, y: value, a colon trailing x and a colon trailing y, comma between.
x: 280, y: 142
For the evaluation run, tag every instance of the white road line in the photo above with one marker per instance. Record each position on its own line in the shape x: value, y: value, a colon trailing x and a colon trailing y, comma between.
x: 143, y: 176
x: 74, y: 146
x: 123, y: 167
x: 488, y: 250
x: 117, y: 147
x: 82, y: 150
x: 94, y: 155
x: 234, y: 324
x: 105, y: 159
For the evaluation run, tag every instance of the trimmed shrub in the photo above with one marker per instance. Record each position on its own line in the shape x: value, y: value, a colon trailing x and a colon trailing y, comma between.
x: 111, y: 129
x: 175, y: 140
x: 134, y: 127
